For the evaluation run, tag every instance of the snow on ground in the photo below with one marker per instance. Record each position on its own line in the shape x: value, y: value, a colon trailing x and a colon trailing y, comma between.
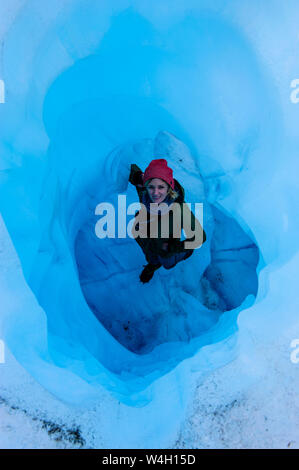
x: 261, y: 415
x: 264, y: 415
x: 39, y: 423
x: 259, y: 408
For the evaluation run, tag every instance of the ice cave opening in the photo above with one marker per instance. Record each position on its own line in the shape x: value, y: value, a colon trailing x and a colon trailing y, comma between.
x: 177, y: 305
x: 99, y: 125
x: 132, y: 90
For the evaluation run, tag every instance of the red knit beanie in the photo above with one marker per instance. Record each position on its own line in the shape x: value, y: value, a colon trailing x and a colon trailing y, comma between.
x: 159, y: 169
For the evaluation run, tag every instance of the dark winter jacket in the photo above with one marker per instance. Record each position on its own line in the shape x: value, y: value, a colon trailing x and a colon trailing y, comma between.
x: 144, y: 217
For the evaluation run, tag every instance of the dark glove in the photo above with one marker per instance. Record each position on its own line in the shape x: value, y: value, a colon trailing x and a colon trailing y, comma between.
x: 136, y: 176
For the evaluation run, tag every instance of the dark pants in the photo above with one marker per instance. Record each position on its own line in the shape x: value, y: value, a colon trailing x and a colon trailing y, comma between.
x: 170, y: 262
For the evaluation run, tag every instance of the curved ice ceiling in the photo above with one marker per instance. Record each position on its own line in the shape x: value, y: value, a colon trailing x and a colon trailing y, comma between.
x: 94, y: 88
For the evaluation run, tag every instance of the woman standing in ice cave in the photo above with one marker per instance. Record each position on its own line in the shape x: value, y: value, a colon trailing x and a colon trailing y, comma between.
x: 158, y: 224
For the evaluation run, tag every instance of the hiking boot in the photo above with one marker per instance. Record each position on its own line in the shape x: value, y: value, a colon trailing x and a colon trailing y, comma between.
x: 148, y: 272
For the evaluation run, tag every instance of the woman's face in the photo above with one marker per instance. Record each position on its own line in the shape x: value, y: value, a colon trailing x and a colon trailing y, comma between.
x: 157, y: 190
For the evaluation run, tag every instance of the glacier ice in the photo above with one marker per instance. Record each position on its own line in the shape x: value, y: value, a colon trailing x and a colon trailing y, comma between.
x: 101, y: 86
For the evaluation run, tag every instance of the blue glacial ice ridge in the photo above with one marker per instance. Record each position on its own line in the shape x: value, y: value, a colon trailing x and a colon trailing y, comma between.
x: 132, y: 87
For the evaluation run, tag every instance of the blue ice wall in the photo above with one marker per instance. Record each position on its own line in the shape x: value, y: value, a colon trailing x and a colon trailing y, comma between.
x: 95, y: 88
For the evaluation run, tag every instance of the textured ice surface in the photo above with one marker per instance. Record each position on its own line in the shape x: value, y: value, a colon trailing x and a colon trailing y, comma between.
x: 90, y: 92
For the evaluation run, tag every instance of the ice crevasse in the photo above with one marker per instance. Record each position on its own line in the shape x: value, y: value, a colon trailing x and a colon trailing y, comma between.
x: 96, y: 87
